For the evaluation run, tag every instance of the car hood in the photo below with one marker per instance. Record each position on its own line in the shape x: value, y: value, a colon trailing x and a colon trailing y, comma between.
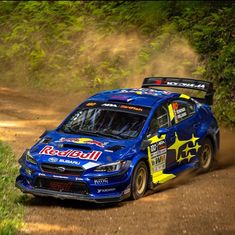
x: 81, y: 150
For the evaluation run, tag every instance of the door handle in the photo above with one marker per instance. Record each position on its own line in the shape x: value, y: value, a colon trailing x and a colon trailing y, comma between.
x: 196, y: 125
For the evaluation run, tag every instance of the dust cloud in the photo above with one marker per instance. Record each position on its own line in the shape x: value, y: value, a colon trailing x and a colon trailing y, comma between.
x: 94, y: 59
x: 177, y: 59
x: 120, y: 57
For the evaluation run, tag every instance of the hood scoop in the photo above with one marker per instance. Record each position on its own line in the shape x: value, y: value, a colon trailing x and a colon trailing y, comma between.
x: 75, y: 146
x: 115, y: 148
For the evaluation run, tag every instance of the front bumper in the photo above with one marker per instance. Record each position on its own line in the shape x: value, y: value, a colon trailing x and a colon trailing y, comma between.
x: 114, y: 191
x: 115, y: 197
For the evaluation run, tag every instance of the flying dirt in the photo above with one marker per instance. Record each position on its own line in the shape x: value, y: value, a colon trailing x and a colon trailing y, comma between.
x: 191, y: 204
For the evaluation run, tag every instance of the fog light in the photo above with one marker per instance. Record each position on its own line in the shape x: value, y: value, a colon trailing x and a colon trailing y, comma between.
x: 28, y: 171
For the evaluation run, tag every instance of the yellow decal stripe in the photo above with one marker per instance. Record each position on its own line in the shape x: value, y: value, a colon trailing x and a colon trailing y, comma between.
x: 171, y: 112
x: 184, y: 96
x: 162, y: 178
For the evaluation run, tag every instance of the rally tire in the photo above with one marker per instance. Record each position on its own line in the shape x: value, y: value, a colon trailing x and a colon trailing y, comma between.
x: 207, y: 156
x: 139, y: 181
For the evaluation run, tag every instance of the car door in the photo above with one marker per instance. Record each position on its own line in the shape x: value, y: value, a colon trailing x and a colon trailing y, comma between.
x: 185, y: 124
x: 160, y: 158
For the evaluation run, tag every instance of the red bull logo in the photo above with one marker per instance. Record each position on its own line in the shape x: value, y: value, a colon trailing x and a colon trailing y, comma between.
x: 82, y: 141
x: 49, y: 150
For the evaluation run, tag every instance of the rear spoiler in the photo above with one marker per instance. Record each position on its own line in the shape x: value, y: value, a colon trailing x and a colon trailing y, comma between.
x: 186, y: 83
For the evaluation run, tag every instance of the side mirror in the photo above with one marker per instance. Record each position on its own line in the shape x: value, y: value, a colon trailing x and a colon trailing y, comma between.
x: 162, y: 131
x: 144, y: 144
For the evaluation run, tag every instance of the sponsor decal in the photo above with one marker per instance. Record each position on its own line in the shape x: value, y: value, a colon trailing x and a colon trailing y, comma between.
x: 53, y: 159
x: 60, y: 186
x: 180, y: 113
x: 49, y: 150
x: 109, y: 105
x: 158, y: 155
x: 69, y: 162
x: 82, y: 141
x: 175, y: 105
x: 77, y: 178
x: 131, y: 108
x: 60, y: 177
x: 158, y: 148
x: 159, y: 163
x: 105, y: 190
x: 185, y: 149
x: 183, y: 84
x: 145, y: 91
x: 101, y: 181
x: 91, y: 104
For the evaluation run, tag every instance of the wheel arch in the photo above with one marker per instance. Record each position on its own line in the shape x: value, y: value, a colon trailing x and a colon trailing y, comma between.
x: 143, y: 157
x: 213, y: 142
x: 138, y: 158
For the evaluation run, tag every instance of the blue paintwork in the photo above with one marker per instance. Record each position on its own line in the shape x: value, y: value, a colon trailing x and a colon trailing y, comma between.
x: 119, y: 183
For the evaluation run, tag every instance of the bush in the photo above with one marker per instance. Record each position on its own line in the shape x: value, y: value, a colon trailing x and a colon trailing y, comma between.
x: 11, y: 211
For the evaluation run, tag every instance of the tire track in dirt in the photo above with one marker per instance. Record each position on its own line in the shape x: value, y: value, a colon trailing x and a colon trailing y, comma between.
x: 203, y: 204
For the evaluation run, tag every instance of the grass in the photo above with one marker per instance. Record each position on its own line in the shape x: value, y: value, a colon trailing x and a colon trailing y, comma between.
x: 11, y: 210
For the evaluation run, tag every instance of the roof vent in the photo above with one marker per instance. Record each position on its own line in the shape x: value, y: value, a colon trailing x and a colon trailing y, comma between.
x: 121, y: 98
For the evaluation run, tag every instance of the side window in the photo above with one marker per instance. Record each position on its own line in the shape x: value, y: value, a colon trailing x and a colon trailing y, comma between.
x: 160, y: 119
x: 182, y: 109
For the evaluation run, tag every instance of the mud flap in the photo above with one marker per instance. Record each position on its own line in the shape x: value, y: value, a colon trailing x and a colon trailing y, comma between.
x: 157, y: 154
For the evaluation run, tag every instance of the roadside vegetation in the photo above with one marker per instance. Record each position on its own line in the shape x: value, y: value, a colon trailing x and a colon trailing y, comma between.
x: 11, y: 209
x: 90, y: 46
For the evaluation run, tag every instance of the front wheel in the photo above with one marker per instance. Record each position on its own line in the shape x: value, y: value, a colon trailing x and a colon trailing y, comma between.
x: 206, y: 157
x: 139, y: 181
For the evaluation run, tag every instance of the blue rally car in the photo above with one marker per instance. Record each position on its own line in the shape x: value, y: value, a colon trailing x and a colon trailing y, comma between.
x: 119, y: 143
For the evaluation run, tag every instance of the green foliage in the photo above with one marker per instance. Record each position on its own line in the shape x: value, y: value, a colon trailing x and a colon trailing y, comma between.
x: 210, y: 31
x: 10, y: 209
x: 82, y: 45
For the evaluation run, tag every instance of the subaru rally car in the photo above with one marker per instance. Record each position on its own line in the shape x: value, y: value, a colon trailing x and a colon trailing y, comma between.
x: 119, y: 143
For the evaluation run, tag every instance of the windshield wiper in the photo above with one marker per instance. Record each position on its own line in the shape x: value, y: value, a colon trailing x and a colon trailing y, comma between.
x: 95, y: 133
x: 68, y: 129
x: 88, y: 133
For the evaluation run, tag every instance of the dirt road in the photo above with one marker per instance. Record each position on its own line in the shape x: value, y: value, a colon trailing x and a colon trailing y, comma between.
x: 203, y: 204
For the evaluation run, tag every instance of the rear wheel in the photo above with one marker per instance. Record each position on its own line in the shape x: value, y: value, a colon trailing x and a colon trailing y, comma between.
x: 206, y: 157
x: 139, y: 181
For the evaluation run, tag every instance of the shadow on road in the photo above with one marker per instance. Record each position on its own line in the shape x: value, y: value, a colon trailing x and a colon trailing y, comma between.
x: 66, y: 203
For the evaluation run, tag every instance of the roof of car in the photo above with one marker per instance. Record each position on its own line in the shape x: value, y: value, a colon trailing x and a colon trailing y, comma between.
x: 139, y: 96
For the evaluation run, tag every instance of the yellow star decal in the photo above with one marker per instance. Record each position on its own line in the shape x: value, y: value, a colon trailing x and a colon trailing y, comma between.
x: 189, y: 156
x: 194, y: 139
x: 197, y: 146
x: 187, y: 149
x: 177, y: 144
x: 180, y: 159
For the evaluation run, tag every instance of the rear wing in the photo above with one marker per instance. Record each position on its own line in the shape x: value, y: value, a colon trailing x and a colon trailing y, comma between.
x: 186, y: 83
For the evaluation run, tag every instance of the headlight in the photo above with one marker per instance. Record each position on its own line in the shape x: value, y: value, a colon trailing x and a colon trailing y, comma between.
x: 30, y: 159
x: 112, y: 167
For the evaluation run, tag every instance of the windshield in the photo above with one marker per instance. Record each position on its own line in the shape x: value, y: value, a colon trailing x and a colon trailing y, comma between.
x: 102, y: 122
